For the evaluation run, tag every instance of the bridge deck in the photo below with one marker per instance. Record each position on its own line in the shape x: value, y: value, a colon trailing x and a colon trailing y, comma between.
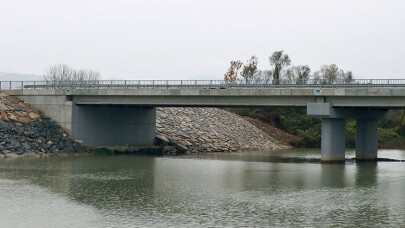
x: 259, y: 97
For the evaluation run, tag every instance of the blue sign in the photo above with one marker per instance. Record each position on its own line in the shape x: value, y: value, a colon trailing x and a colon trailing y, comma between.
x: 317, y: 92
x: 68, y: 92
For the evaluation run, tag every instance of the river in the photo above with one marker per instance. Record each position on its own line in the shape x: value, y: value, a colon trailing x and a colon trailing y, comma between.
x: 215, y: 190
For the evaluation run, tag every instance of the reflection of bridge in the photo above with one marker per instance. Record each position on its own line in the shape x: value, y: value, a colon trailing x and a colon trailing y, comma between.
x: 107, y: 113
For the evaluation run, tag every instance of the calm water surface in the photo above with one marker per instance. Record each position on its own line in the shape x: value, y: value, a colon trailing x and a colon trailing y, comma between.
x: 218, y: 190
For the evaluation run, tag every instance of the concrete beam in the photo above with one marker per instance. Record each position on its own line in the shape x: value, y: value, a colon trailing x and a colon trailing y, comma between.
x: 325, y: 110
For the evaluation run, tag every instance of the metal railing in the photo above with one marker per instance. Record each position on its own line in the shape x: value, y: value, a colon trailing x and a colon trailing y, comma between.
x: 203, y: 84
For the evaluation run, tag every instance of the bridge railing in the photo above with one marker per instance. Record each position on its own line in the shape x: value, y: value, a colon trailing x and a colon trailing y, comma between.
x: 203, y: 84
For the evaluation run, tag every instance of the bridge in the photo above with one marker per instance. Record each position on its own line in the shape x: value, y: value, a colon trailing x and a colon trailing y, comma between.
x: 120, y: 113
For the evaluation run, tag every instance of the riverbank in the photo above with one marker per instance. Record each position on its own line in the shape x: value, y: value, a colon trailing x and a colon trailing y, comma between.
x: 196, y: 130
x: 28, y: 133
x: 306, y: 131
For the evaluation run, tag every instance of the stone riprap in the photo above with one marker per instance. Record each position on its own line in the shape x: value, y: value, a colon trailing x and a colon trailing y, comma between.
x: 196, y: 130
x: 27, y: 132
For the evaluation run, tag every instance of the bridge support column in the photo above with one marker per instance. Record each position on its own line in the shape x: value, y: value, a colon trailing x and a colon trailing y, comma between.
x: 333, y: 130
x: 366, y: 139
x: 333, y: 140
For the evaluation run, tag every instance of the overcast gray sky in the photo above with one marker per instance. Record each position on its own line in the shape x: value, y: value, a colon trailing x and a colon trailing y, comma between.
x: 196, y: 39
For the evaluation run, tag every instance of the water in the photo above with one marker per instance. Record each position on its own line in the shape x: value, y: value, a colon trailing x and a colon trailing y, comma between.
x: 215, y: 190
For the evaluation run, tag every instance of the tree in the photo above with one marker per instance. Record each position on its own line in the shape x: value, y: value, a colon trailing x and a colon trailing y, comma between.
x: 59, y: 73
x: 330, y: 74
x: 289, y: 74
x: 303, y: 73
x: 297, y: 74
x: 249, y: 69
x: 232, y: 74
x: 266, y: 76
x: 348, y: 77
x: 279, y: 61
x: 63, y: 73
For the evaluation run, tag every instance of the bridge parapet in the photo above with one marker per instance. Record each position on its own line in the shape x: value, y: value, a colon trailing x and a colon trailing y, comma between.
x: 204, y: 84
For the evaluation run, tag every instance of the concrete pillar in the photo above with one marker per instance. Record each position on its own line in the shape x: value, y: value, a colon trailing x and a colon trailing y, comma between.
x: 366, y: 139
x: 333, y: 139
x: 114, y: 125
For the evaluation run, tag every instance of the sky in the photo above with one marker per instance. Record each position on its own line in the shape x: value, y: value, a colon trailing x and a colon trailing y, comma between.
x: 196, y: 39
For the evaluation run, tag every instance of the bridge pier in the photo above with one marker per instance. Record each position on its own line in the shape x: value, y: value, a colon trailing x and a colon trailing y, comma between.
x: 333, y: 139
x: 333, y: 130
x: 366, y: 139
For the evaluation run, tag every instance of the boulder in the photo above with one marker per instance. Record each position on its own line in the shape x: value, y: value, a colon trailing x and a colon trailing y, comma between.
x: 24, y: 120
x: 20, y: 114
x: 4, y: 125
x: 11, y: 116
x: 4, y: 116
x: 11, y: 155
x: 3, y: 107
x: 162, y: 138
x: 33, y: 115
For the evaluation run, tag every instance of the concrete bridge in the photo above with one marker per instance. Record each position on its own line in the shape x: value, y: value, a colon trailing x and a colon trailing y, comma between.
x: 120, y: 114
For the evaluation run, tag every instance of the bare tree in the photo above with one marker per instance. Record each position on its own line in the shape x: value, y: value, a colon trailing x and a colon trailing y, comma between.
x: 330, y: 74
x: 59, y: 73
x: 296, y: 74
x: 348, y: 77
x: 266, y: 76
x: 288, y: 74
x: 279, y: 60
x: 303, y: 73
x: 249, y: 69
x: 63, y: 73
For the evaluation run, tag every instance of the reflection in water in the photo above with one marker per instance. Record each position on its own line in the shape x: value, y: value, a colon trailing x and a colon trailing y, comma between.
x: 212, y: 190
x: 366, y: 174
x: 333, y: 175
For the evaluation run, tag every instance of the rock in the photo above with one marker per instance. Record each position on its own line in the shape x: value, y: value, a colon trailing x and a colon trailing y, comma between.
x: 210, y: 129
x: 24, y: 120
x: 182, y: 147
x: 162, y: 138
x: 2, y: 156
x: 3, y: 94
x: 64, y: 135
x: 4, y: 126
x: 11, y: 116
x: 4, y: 116
x: 11, y: 155
x: 49, y: 143
x: 26, y: 146
x: 3, y: 107
x: 20, y: 114
x: 34, y: 116
x: 30, y: 154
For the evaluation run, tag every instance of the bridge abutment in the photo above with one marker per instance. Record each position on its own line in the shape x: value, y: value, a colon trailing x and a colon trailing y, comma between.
x: 99, y: 125
x: 333, y: 130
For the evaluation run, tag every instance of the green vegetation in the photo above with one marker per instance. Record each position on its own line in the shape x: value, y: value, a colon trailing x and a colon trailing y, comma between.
x: 391, y: 133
